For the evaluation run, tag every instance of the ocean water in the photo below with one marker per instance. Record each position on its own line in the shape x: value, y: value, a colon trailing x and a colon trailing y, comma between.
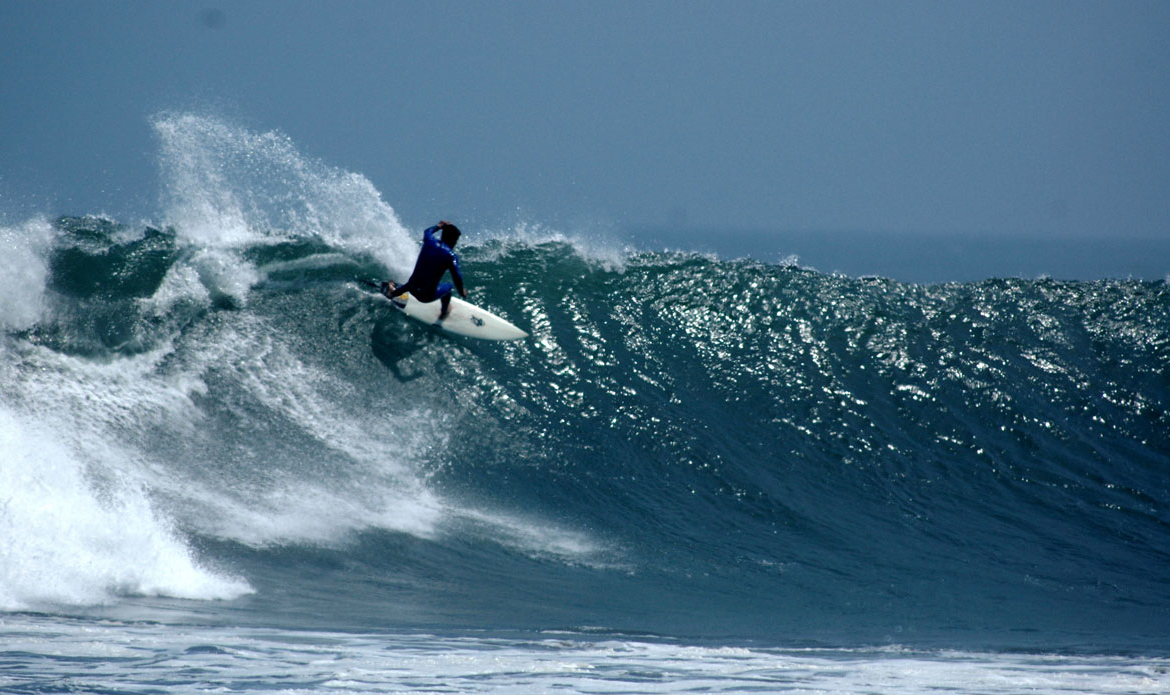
x: 226, y: 465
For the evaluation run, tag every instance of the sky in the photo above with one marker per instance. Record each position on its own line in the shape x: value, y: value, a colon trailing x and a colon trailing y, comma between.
x: 1038, y: 119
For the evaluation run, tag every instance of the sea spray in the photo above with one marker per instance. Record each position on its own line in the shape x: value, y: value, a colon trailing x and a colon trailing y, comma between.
x: 23, y: 272
x: 227, y: 187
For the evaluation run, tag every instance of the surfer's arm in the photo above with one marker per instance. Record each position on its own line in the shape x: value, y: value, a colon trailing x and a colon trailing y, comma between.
x: 429, y: 234
x: 457, y: 276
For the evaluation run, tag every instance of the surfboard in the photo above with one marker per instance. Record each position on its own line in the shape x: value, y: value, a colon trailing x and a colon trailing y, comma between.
x: 464, y: 318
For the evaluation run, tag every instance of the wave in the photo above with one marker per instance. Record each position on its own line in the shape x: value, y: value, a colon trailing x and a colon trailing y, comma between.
x: 685, y: 443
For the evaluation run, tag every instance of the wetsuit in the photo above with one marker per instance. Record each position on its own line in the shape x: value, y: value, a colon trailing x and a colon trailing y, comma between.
x: 434, y: 259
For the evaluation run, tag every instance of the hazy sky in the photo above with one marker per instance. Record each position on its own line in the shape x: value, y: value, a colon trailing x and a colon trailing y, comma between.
x: 1044, y: 118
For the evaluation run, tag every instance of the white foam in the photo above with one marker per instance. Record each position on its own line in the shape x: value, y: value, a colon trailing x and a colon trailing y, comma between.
x: 68, y: 539
x: 115, y: 410
x: 104, y: 416
x: 23, y: 272
x: 225, y: 275
x: 79, y: 521
x: 308, y: 263
x: 106, y: 655
x: 305, y: 514
x: 180, y: 284
x: 536, y: 537
x: 277, y: 502
x: 380, y: 486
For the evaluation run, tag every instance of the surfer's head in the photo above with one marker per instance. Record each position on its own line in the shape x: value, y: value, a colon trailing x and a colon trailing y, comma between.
x: 450, y: 234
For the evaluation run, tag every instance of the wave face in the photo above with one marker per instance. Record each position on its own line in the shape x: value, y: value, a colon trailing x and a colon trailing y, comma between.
x: 215, y: 409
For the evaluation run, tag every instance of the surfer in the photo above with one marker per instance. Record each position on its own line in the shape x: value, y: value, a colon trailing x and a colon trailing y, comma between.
x: 436, y: 257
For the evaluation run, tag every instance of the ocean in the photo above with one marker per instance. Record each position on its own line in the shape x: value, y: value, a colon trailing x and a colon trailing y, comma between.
x: 226, y: 465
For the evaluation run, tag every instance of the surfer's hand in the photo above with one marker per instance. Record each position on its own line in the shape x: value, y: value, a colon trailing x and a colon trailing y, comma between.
x: 463, y: 293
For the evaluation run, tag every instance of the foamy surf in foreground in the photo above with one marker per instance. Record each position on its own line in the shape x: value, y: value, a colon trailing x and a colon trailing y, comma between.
x: 134, y: 658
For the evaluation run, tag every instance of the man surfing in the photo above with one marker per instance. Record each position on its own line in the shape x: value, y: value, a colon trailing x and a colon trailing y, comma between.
x: 436, y: 257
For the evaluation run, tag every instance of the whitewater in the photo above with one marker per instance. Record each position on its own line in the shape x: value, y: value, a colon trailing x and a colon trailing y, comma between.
x: 226, y: 465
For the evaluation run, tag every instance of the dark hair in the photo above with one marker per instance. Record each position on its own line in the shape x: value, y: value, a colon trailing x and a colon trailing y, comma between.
x: 450, y: 235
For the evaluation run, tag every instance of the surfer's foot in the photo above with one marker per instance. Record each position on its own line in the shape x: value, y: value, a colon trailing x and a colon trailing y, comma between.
x: 388, y: 287
x: 444, y: 313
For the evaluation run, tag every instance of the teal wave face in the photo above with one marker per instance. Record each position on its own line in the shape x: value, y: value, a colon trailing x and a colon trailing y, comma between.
x: 684, y: 445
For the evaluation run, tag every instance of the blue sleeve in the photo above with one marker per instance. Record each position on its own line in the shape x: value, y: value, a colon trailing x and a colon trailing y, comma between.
x: 455, y: 274
x: 429, y: 234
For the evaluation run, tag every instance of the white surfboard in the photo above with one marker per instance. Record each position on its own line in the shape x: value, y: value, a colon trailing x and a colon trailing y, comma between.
x: 464, y: 319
